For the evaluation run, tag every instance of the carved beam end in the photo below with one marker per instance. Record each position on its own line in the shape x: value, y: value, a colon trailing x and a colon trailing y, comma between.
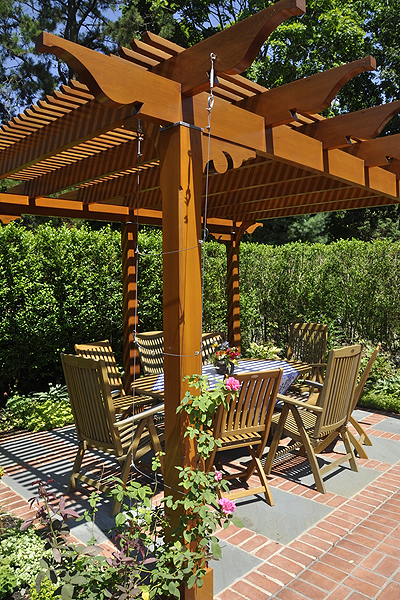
x: 365, y: 124
x: 115, y: 82
x: 309, y: 95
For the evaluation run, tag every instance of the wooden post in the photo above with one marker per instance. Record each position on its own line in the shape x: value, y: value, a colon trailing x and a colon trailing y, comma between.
x: 232, y: 278
x: 181, y: 184
x: 129, y: 302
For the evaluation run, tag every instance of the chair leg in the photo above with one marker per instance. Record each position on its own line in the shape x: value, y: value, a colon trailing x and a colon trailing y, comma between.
x: 364, y: 439
x: 357, y: 446
x: 325, y: 442
x: 319, y: 483
x: 275, y: 440
x: 349, y: 449
x: 82, y: 446
x: 263, y: 478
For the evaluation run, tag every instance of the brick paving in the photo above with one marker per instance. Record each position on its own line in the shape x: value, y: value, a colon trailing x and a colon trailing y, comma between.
x: 352, y: 553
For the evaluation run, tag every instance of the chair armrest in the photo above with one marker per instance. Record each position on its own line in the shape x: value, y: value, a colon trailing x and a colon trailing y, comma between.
x: 142, y: 415
x: 299, y: 403
x: 316, y: 384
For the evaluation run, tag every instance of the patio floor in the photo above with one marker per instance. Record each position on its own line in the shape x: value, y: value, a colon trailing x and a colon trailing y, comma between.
x: 344, y: 544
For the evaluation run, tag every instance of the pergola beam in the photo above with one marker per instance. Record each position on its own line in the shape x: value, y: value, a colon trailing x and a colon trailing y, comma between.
x: 235, y: 48
x: 114, y: 159
x: 88, y: 122
x: 309, y: 95
x: 378, y: 152
x: 365, y: 124
x: 140, y: 87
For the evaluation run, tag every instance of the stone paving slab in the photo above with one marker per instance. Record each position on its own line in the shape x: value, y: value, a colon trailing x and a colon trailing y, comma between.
x: 382, y: 449
x: 284, y: 521
x: 391, y: 425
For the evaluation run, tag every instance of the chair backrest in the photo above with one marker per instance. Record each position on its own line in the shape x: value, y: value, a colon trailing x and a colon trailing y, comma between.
x: 150, y: 347
x: 338, y: 389
x: 207, y: 347
x: 364, y: 377
x: 102, y: 351
x: 91, y: 402
x: 307, y: 342
x: 252, y: 410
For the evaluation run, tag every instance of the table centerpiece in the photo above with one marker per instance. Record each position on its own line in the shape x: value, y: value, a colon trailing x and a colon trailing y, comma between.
x: 225, y: 358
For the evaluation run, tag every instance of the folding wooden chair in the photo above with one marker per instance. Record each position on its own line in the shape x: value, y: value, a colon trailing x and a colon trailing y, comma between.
x: 307, y: 424
x: 207, y: 346
x: 102, y: 351
x: 96, y: 424
x: 150, y: 347
x: 123, y: 403
x: 246, y: 425
x: 363, y: 437
x: 307, y: 343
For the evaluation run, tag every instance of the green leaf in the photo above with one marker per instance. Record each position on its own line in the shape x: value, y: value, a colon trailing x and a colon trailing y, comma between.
x: 216, y: 550
x: 67, y: 591
x: 120, y: 518
x: 38, y: 581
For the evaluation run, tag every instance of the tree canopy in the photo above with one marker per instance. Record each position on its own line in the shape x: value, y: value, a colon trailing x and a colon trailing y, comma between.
x: 26, y: 75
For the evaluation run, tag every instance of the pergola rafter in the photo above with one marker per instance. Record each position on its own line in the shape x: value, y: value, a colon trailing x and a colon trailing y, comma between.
x: 271, y: 155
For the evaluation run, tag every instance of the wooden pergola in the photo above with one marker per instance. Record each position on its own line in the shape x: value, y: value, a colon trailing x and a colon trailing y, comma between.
x: 270, y: 154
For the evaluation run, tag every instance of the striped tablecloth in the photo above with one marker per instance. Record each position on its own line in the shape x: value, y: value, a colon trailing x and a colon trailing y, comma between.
x: 289, y: 374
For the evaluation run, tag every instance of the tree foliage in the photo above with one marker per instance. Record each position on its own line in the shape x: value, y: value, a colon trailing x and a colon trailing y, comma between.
x: 26, y: 75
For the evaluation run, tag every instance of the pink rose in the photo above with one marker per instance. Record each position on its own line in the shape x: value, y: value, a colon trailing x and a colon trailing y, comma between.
x: 233, y: 384
x: 227, y: 506
x: 217, y: 475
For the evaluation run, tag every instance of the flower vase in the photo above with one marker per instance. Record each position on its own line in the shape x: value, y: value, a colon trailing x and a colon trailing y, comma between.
x: 224, y: 368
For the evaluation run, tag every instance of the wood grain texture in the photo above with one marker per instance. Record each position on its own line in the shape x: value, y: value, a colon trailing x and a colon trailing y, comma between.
x: 364, y: 124
x: 235, y: 48
x: 309, y: 95
x: 115, y: 82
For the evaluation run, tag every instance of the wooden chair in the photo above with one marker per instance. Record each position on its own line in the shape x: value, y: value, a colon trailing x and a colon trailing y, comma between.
x: 307, y: 343
x: 150, y: 347
x: 102, y: 351
x: 207, y: 346
x: 95, y: 421
x: 306, y: 424
x: 246, y: 425
x: 363, y: 437
x: 123, y: 403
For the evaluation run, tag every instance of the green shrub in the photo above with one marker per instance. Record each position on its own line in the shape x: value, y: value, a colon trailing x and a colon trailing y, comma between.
x: 265, y: 350
x: 39, y: 411
x: 8, y: 580
x: 46, y: 591
x: 386, y: 402
x: 21, y: 552
x: 60, y: 286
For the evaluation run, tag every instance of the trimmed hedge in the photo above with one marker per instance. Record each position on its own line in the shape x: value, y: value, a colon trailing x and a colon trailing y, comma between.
x: 60, y: 286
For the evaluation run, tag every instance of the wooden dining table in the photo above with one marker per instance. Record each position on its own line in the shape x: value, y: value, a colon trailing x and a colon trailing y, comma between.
x: 153, y: 385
